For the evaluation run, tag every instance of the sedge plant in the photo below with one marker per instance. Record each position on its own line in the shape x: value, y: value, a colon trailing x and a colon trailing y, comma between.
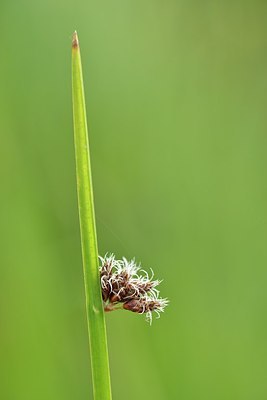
x: 110, y: 284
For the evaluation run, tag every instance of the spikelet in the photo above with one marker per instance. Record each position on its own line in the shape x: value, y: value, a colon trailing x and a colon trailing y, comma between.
x: 125, y: 285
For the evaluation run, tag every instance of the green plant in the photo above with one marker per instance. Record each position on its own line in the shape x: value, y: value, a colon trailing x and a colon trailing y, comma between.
x: 115, y: 284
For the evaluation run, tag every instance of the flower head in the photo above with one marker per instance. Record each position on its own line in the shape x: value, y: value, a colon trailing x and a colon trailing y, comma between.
x: 125, y: 285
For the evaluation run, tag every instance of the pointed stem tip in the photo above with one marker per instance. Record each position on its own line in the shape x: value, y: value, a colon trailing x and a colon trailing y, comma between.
x: 75, y: 41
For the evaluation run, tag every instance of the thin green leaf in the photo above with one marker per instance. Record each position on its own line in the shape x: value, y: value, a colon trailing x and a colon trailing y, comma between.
x: 95, y: 313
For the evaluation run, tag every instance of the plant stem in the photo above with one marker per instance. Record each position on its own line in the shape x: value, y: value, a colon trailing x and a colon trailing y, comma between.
x: 94, y: 306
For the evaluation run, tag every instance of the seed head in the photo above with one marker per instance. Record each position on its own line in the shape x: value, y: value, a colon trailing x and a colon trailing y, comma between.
x: 125, y: 285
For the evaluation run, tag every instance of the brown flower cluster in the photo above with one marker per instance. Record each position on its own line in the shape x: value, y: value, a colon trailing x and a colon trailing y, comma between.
x: 126, y: 285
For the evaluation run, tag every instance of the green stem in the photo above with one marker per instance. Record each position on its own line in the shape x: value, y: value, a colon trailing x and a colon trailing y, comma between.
x: 94, y: 306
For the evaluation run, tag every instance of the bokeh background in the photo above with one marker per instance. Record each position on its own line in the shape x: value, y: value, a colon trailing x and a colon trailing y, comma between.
x: 176, y: 96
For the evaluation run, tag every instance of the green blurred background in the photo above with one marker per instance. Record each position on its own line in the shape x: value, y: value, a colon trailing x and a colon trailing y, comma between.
x: 176, y: 96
